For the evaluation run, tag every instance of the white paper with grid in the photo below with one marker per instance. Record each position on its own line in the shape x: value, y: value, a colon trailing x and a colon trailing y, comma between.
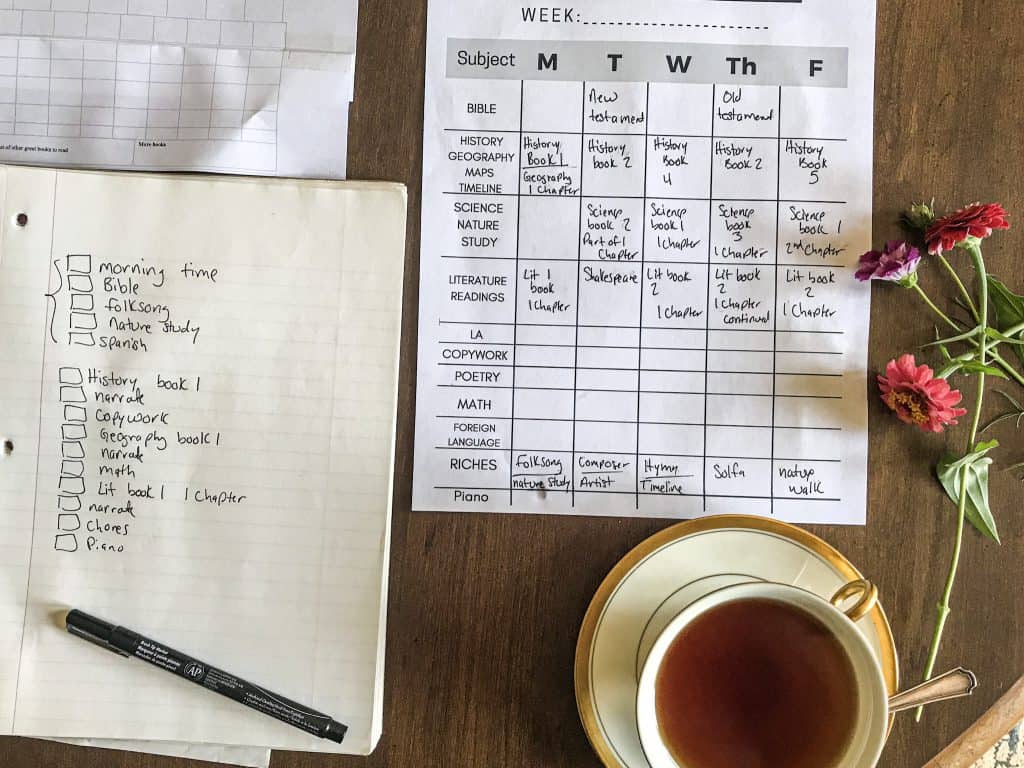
x: 237, y: 86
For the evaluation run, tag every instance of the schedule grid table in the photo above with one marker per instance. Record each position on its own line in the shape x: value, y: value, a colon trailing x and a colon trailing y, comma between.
x: 643, y: 296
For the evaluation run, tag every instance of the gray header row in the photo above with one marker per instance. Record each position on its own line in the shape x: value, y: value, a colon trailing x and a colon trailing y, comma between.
x: 637, y: 62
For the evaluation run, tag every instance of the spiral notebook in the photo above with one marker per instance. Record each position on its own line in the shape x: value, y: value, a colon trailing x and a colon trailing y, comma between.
x: 197, y: 404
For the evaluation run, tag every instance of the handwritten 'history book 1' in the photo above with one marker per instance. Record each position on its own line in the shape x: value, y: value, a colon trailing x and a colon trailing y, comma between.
x: 198, y: 380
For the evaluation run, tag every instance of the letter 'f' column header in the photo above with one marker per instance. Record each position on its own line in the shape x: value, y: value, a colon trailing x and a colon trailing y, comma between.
x: 648, y: 62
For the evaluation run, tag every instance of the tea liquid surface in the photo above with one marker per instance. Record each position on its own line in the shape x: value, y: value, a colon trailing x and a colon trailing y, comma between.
x: 756, y: 684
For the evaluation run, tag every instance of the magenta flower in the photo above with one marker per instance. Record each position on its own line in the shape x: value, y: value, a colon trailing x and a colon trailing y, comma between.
x: 897, y: 262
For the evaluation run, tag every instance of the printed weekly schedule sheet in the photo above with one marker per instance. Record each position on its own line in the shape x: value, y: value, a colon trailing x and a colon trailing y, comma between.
x: 639, y: 227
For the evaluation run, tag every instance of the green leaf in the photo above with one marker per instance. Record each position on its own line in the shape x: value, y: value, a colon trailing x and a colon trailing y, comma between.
x: 980, y: 451
x: 1011, y: 400
x: 973, y: 366
x: 1009, y: 308
x: 1003, y: 338
x: 976, y: 331
x: 1017, y: 414
x: 951, y: 472
x: 1018, y: 417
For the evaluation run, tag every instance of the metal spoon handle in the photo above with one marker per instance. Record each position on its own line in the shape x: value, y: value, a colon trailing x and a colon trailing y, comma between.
x: 952, y: 685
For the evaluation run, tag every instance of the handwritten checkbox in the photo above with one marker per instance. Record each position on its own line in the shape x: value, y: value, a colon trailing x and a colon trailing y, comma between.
x: 68, y: 522
x: 76, y: 414
x: 81, y: 339
x: 80, y: 283
x: 73, y: 431
x: 66, y: 542
x: 70, y: 375
x: 69, y: 503
x: 72, y: 395
x: 80, y: 263
x: 72, y: 468
x: 71, y: 485
x: 83, y: 321
x: 72, y: 449
x: 83, y: 302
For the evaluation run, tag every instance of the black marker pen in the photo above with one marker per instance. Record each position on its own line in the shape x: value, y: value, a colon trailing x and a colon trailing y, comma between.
x: 127, y: 643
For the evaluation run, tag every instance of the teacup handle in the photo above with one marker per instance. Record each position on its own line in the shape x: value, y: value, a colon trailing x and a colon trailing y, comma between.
x: 868, y: 598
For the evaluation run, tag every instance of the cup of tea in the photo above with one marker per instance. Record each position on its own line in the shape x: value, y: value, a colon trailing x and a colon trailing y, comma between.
x: 763, y: 675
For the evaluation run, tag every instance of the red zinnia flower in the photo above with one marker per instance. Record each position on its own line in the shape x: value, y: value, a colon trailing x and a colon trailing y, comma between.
x: 976, y: 220
x: 918, y: 397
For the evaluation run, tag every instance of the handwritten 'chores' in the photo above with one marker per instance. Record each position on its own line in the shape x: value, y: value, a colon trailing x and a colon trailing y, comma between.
x: 639, y: 223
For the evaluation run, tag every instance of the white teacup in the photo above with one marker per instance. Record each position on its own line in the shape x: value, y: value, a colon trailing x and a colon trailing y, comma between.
x: 869, y: 730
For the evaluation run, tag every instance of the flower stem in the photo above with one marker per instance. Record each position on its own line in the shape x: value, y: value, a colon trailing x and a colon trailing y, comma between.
x: 944, y: 610
x: 962, y: 288
x: 979, y: 265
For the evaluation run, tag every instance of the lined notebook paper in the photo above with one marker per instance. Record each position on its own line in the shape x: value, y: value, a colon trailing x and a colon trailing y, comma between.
x: 198, y: 390
x: 247, y: 757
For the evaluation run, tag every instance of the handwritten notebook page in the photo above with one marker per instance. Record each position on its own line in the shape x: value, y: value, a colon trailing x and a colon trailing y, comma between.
x: 228, y: 489
x: 249, y: 757
x: 22, y: 308
x: 19, y: 389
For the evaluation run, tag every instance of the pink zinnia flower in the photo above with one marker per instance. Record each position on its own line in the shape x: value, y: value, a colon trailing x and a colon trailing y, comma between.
x: 897, y: 262
x: 918, y: 397
x: 978, y: 221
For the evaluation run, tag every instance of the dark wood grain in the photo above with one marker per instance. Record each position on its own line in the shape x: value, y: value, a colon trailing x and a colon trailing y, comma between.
x: 484, y: 609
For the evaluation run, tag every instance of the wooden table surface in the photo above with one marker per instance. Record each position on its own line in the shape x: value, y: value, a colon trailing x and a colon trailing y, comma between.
x: 484, y: 609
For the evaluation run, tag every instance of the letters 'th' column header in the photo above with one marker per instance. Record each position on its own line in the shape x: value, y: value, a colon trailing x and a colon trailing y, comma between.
x: 638, y: 62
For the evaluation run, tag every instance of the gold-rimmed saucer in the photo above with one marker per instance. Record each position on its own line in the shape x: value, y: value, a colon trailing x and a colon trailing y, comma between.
x: 663, y: 575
